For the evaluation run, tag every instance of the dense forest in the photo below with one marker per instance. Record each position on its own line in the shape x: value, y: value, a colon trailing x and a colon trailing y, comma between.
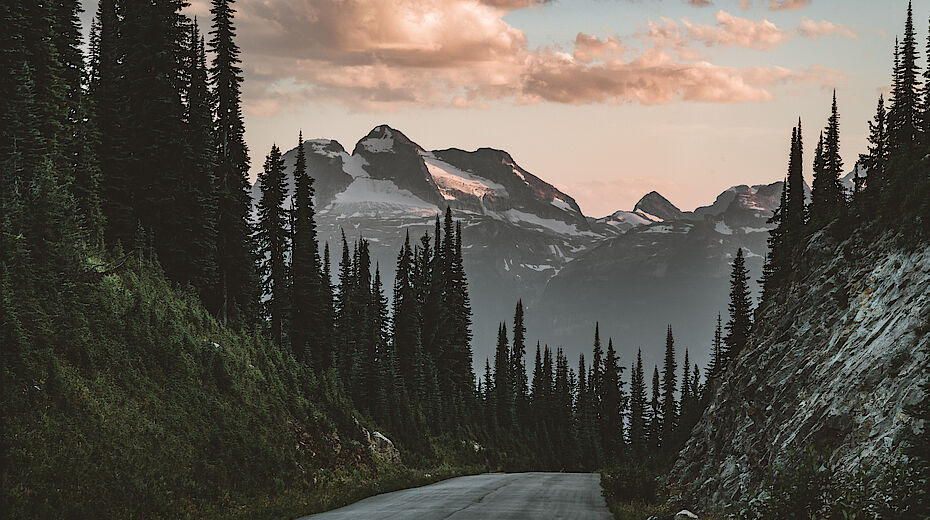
x: 163, y: 350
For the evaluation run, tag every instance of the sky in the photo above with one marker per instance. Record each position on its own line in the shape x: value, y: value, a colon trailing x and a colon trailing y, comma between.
x: 605, y: 99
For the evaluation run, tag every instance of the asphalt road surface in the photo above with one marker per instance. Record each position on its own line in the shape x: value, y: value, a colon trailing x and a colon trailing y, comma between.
x: 513, y: 496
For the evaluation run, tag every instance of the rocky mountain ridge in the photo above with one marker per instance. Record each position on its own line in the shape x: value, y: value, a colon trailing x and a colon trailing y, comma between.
x: 521, y: 232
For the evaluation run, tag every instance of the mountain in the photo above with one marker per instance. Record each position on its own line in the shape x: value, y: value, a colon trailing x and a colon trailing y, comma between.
x: 523, y: 238
x: 660, y: 272
x: 518, y: 229
x: 831, y: 366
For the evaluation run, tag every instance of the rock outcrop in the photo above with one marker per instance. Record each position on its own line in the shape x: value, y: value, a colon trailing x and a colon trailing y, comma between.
x: 831, y: 366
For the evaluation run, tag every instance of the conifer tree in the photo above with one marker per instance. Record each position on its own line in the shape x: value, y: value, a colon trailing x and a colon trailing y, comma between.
x: 904, y: 115
x: 827, y: 198
x: 655, y: 412
x: 597, y: 364
x: 406, y: 321
x: 272, y: 237
x: 199, y: 184
x: 876, y: 160
x: 489, y: 392
x: 536, y: 392
x: 518, y: 367
x: 307, y: 326
x: 638, y: 407
x: 669, y: 386
x: 794, y: 217
x: 612, y: 403
x: 503, y: 389
x: 716, y: 365
x: 740, y: 322
x: 326, y: 308
x: 237, y: 293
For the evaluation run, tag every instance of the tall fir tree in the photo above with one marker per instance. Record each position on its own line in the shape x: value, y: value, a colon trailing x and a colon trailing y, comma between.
x: 237, y: 293
x: 876, y: 160
x: 518, y: 368
x: 740, y: 323
x: 308, y: 325
x: 612, y: 403
x: 655, y: 412
x: 638, y: 403
x: 503, y: 389
x: 272, y: 237
x: 716, y: 365
x: 199, y: 184
x: 827, y: 198
x: 669, y: 387
x: 904, y: 115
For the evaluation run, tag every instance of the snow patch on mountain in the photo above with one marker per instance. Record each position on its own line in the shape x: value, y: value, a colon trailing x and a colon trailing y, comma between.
x: 378, y: 191
x: 563, y: 228
x: 451, y: 180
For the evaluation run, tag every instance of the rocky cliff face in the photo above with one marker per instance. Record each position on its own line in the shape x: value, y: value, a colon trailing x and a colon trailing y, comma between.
x: 832, y: 367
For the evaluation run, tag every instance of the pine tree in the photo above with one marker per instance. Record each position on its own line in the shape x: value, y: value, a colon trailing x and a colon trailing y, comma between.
x: 904, y: 116
x: 876, y: 160
x: 153, y: 37
x: 740, y: 323
x: 597, y: 364
x: 406, y: 321
x: 237, y: 293
x: 716, y: 366
x: 827, y: 198
x: 328, y: 335
x: 638, y: 407
x: 655, y: 412
x: 503, y: 389
x: 669, y: 386
x: 199, y: 184
x: 612, y: 403
x: 518, y: 367
x: 272, y: 237
x: 307, y: 326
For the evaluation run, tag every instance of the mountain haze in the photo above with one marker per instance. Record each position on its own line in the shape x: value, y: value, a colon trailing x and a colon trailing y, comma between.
x: 526, y: 239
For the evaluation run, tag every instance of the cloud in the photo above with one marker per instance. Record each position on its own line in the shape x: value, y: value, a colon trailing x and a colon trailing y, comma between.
x: 389, y: 54
x: 737, y: 32
x: 515, y: 4
x: 814, y: 30
x: 788, y: 5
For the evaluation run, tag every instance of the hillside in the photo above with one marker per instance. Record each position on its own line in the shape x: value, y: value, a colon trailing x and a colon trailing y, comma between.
x: 147, y: 406
x: 831, y: 367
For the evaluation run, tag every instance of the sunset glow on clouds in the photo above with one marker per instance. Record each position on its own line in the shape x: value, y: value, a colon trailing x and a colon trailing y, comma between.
x: 384, y: 55
x: 607, y: 99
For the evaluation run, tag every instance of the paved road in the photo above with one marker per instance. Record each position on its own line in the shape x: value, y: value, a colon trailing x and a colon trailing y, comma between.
x: 513, y: 496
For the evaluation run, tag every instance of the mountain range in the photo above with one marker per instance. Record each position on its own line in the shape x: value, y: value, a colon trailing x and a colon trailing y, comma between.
x: 633, y: 271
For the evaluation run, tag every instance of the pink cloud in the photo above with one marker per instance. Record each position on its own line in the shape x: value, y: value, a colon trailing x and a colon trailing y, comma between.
x: 814, y: 30
x: 788, y: 5
x: 387, y: 54
x: 778, y: 5
x: 737, y: 32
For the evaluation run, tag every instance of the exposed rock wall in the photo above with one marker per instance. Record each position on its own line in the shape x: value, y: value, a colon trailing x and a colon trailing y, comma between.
x: 830, y: 366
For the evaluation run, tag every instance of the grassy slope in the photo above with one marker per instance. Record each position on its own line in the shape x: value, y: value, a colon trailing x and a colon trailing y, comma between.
x: 144, y: 405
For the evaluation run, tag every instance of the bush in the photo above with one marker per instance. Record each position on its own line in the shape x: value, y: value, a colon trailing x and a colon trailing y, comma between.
x: 631, y: 482
x: 807, y: 488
